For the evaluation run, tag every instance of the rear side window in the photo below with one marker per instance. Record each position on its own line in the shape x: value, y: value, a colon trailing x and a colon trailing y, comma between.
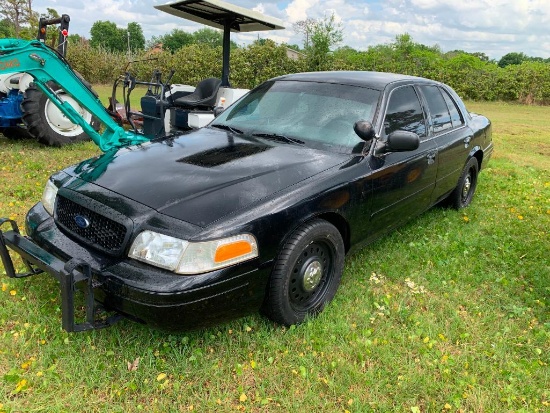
x: 404, y: 112
x: 439, y: 112
x: 456, y: 117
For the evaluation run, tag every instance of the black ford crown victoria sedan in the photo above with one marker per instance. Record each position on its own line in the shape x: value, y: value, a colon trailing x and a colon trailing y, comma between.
x: 258, y: 209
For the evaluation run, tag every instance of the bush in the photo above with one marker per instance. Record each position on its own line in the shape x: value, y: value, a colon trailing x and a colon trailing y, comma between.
x: 472, y: 77
x: 96, y: 65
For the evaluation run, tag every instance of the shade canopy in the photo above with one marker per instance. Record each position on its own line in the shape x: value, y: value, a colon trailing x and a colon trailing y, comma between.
x: 217, y: 13
x: 225, y: 16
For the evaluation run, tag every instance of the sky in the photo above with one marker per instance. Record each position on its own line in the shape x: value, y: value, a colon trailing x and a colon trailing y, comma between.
x: 493, y: 27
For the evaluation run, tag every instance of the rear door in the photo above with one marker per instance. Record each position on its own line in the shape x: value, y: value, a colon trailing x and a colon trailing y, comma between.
x: 452, y: 136
x: 403, y: 182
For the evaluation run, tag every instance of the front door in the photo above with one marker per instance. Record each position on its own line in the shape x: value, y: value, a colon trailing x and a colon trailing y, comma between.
x: 403, y: 182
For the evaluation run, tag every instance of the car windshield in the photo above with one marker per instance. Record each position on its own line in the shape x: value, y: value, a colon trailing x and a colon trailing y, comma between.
x: 319, y: 115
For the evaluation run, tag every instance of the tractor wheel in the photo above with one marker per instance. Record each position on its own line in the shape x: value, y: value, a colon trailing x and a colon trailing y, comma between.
x: 16, y: 133
x: 48, y: 124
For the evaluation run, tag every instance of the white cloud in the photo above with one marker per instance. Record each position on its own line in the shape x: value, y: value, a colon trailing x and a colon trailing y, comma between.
x: 298, y: 9
x: 259, y: 8
x: 495, y: 27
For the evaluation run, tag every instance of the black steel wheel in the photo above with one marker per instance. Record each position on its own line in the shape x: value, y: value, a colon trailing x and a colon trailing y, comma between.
x: 306, y: 274
x: 464, y: 192
x: 48, y: 124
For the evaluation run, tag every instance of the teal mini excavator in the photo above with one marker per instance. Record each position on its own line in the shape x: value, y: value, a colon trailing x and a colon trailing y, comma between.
x: 48, y: 67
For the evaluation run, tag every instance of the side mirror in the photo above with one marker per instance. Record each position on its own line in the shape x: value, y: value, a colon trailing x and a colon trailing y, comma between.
x: 402, y: 141
x: 364, y: 129
x: 218, y: 110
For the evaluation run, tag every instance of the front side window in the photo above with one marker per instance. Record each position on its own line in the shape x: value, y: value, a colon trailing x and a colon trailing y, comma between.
x: 405, y: 112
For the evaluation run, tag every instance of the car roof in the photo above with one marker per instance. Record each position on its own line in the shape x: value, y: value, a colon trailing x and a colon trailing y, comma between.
x: 374, y: 80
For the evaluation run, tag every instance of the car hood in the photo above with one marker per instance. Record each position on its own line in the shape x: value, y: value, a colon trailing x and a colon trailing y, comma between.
x: 202, y: 176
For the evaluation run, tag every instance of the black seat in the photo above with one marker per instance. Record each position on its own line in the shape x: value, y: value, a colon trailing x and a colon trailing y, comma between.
x: 204, y: 96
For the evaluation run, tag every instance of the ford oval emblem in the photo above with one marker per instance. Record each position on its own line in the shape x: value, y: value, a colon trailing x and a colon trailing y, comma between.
x: 82, y: 222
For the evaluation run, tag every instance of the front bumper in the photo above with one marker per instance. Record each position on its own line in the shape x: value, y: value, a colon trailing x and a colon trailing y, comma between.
x: 141, y: 292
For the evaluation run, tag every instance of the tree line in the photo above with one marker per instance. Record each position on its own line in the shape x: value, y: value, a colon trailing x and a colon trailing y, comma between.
x: 472, y: 75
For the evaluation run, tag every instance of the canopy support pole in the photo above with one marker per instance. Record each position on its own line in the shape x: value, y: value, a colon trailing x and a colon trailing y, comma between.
x: 226, y: 51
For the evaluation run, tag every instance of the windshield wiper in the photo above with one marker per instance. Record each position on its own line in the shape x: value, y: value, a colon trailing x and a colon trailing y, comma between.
x: 227, y: 127
x: 279, y: 137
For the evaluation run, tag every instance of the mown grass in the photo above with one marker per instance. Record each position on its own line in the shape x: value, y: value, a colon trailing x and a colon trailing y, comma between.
x: 449, y: 313
x: 106, y: 91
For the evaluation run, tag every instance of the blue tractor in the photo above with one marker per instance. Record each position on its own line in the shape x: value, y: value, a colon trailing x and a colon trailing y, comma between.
x: 25, y: 112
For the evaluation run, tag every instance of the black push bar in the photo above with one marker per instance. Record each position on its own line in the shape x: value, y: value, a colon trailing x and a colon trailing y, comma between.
x: 69, y: 274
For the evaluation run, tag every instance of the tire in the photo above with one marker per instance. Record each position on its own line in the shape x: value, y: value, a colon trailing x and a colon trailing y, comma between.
x: 306, y: 273
x: 16, y: 133
x: 46, y: 122
x: 464, y: 192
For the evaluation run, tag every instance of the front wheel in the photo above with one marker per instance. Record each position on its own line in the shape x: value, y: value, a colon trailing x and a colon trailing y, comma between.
x: 306, y: 274
x: 464, y: 192
x: 48, y: 124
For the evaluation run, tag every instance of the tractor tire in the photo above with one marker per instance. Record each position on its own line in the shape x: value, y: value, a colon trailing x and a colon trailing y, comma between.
x: 16, y: 133
x: 47, y: 123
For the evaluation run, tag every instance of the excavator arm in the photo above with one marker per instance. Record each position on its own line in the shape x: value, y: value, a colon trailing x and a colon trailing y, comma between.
x: 45, y: 65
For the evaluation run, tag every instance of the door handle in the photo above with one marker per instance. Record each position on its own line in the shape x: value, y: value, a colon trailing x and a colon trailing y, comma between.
x: 431, y: 158
x: 467, y: 141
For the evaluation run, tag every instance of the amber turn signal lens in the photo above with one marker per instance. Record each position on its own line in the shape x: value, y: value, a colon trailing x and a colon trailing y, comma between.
x: 233, y: 250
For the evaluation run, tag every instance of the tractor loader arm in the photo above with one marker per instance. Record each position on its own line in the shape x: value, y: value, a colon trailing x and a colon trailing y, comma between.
x: 45, y: 65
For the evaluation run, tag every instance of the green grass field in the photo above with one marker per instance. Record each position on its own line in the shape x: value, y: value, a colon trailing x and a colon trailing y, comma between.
x: 105, y: 92
x: 447, y: 314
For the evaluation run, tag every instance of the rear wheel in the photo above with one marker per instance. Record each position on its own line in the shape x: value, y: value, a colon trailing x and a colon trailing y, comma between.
x: 48, y: 124
x: 16, y: 133
x: 464, y: 192
x: 306, y: 273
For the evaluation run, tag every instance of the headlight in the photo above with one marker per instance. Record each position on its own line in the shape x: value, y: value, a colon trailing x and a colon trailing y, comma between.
x: 158, y: 249
x: 185, y: 257
x: 48, y: 197
x: 211, y: 255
